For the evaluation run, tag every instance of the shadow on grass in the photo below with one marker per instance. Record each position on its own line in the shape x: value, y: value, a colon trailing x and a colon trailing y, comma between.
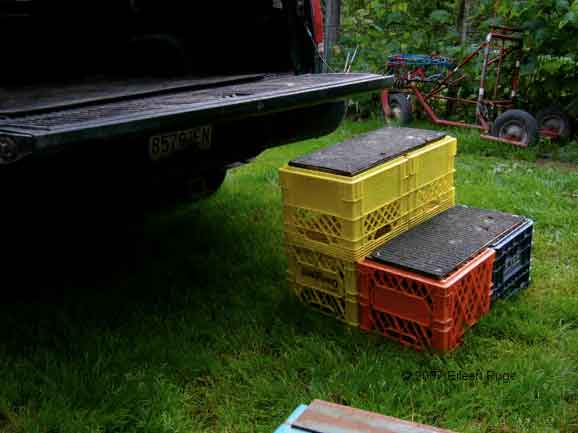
x: 74, y: 267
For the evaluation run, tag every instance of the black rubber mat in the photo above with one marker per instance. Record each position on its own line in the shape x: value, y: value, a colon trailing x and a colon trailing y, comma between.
x: 441, y: 245
x: 361, y: 153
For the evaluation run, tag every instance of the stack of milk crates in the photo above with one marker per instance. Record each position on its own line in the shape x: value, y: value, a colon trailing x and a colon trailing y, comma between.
x: 353, y: 211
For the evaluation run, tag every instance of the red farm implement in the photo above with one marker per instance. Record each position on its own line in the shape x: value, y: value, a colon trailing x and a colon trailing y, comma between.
x: 432, y: 82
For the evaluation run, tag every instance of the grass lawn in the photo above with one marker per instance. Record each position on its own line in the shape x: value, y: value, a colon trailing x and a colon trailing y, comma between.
x: 186, y: 323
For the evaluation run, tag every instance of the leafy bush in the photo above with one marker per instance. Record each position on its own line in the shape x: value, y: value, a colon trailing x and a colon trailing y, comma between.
x: 549, y: 72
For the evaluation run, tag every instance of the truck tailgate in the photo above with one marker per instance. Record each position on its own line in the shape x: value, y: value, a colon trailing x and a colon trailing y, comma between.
x: 37, y: 131
x: 45, y: 96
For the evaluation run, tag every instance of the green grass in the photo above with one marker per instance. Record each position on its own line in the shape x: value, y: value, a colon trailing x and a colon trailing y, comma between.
x: 186, y: 324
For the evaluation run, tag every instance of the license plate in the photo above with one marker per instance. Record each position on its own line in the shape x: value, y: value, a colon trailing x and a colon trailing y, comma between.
x: 164, y: 145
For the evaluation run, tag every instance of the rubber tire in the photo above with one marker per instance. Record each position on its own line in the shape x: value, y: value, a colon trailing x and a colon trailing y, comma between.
x: 198, y: 188
x: 523, y: 119
x: 168, y: 190
x: 554, y: 111
x: 404, y: 104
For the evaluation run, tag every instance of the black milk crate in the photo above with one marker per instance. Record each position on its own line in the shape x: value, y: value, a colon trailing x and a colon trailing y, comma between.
x: 513, y: 261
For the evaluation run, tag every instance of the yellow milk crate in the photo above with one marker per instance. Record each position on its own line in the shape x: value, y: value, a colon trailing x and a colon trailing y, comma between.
x: 325, y: 283
x: 348, y: 217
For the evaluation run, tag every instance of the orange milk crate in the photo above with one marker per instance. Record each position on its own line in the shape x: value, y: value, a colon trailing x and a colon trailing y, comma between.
x: 421, y: 312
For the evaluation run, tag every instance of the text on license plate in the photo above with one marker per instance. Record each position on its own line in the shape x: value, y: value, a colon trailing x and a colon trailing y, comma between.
x: 164, y: 145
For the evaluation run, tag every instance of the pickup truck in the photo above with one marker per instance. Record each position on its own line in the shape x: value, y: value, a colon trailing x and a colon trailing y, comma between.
x: 158, y: 95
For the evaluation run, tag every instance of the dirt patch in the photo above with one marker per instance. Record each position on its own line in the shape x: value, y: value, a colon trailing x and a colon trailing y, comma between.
x: 568, y: 166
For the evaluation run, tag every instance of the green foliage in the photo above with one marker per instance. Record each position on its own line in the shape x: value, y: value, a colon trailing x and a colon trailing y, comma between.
x: 383, y: 27
x: 549, y: 72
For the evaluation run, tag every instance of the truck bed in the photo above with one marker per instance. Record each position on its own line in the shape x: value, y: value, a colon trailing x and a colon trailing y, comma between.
x: 46, y: 122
